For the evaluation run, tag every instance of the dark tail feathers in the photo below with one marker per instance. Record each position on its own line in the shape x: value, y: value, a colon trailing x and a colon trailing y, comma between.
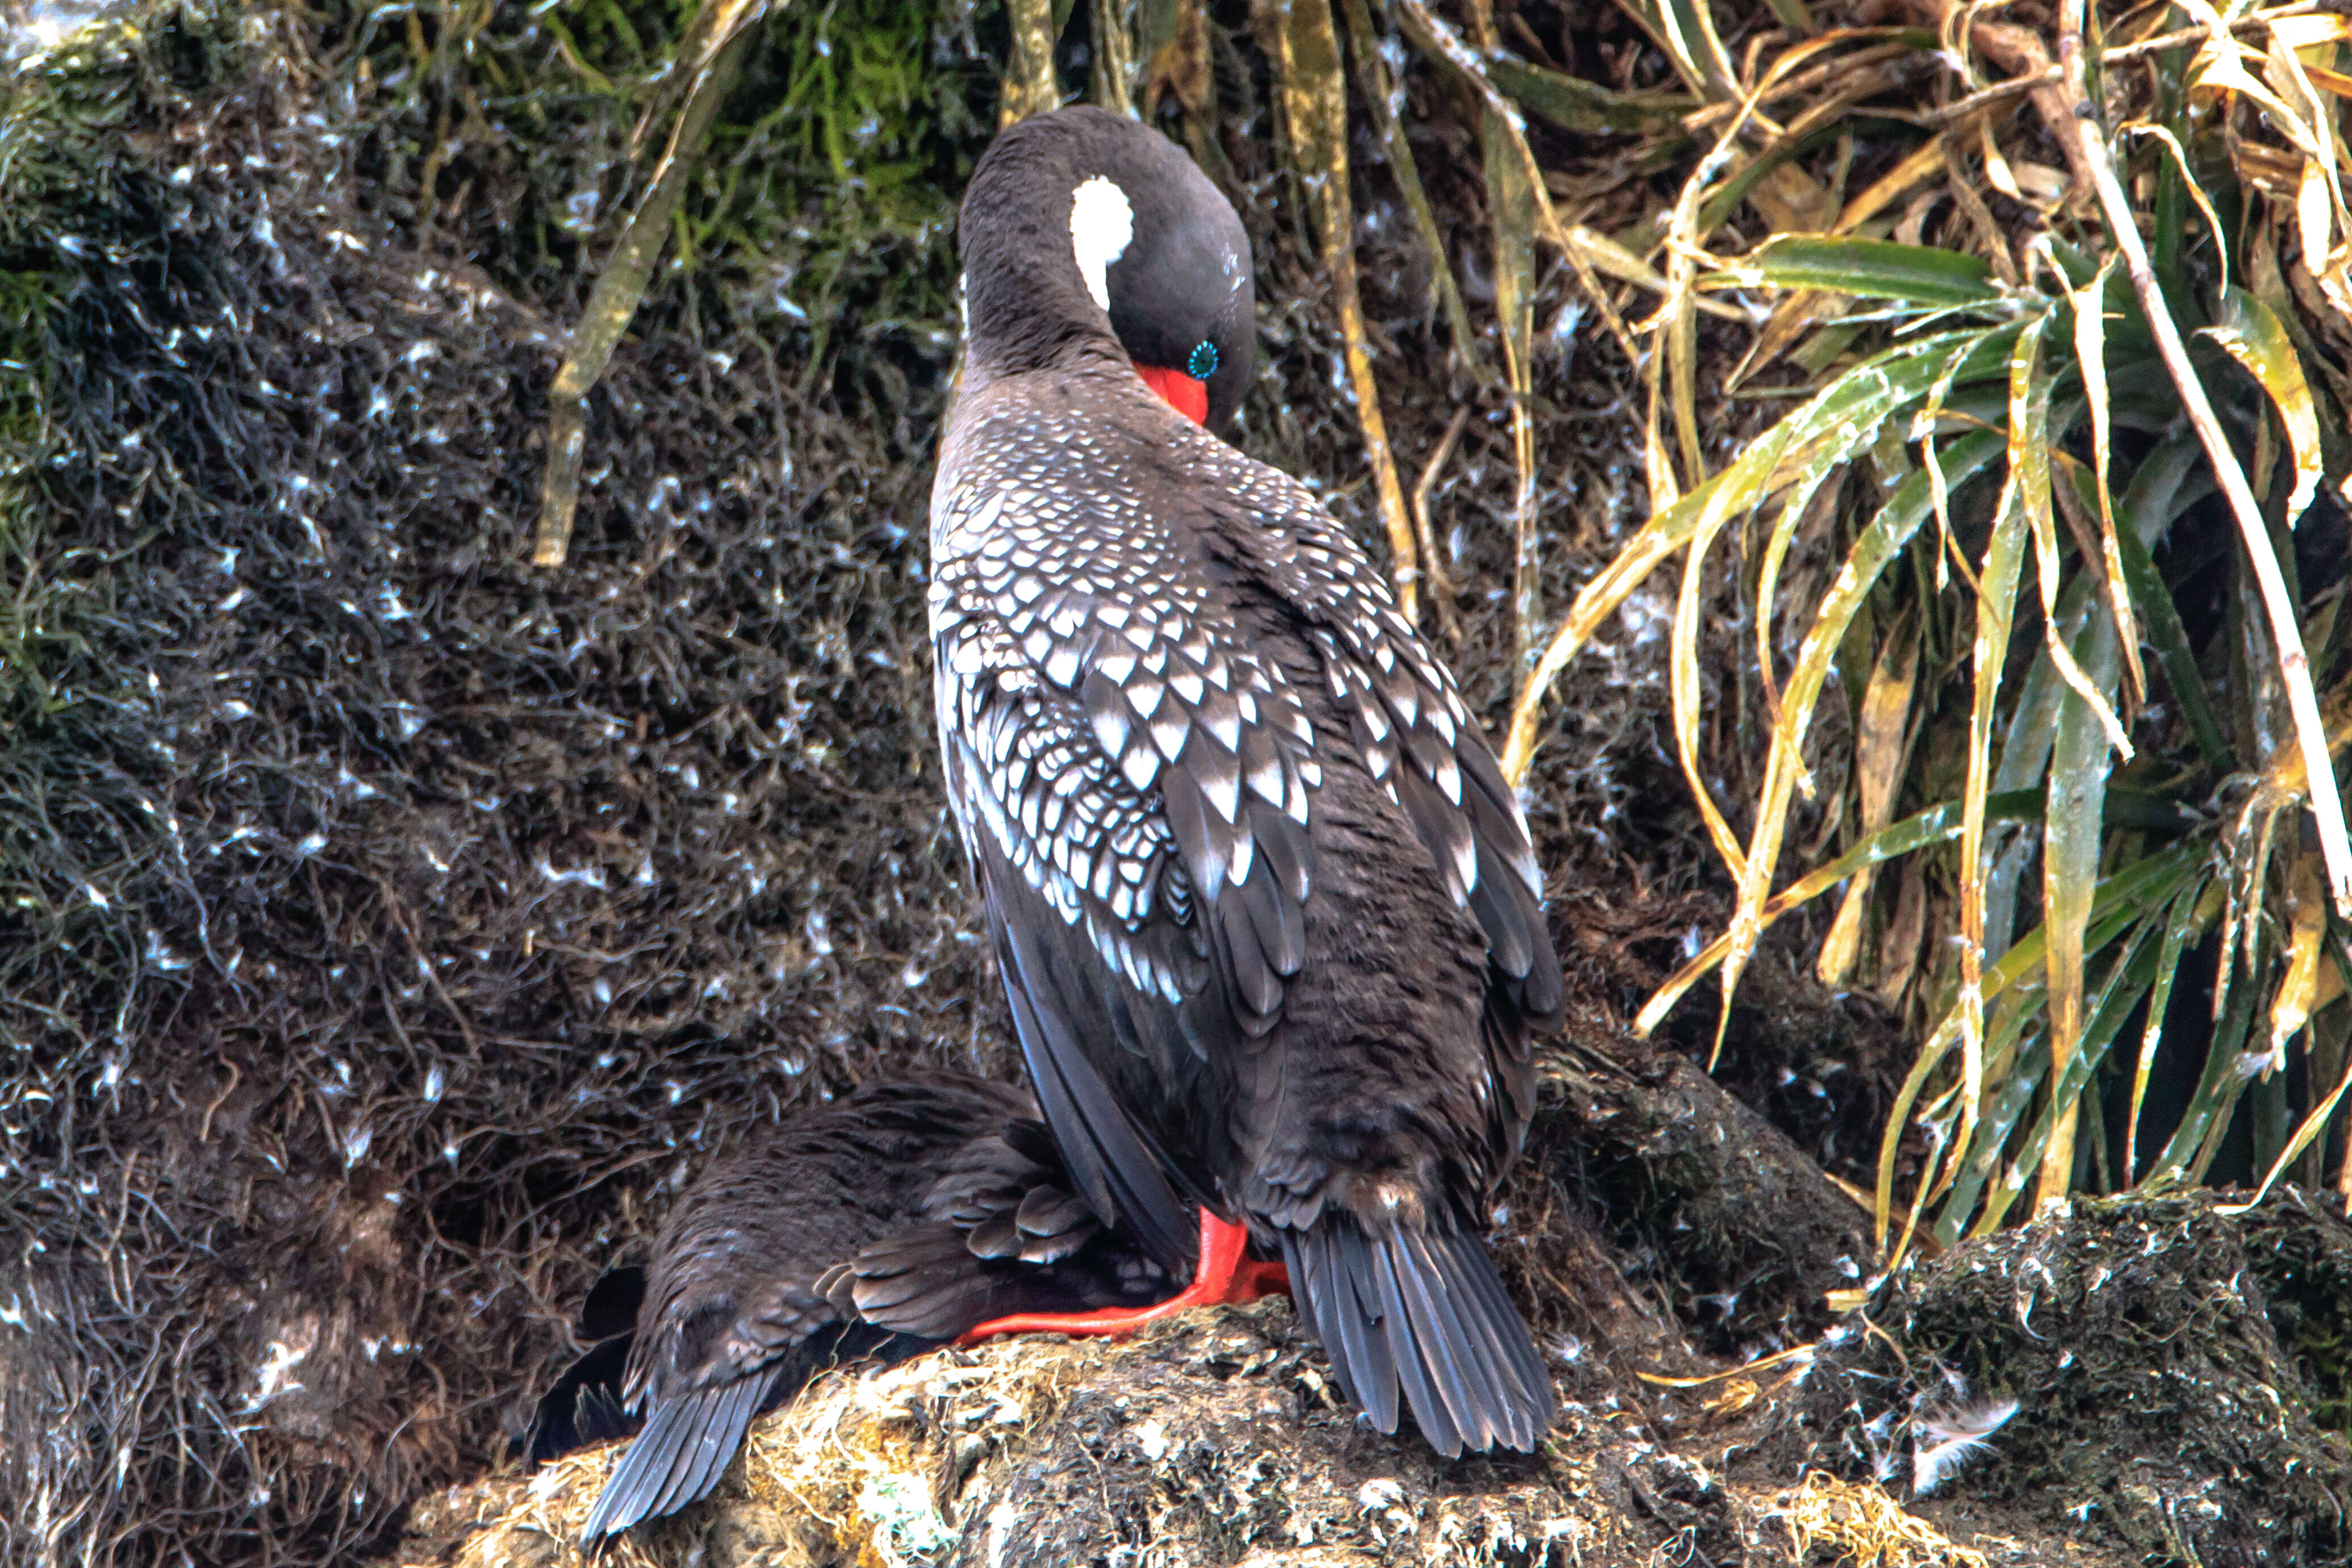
x: 1425, y: 1311
x: 680, y: 1455
x: 690, y: 1436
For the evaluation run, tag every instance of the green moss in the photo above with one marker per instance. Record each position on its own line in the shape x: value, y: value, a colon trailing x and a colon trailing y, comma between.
x: 53, y: 119
x: 821, y: 214
x: 838, y: 196
x: 82, y: 210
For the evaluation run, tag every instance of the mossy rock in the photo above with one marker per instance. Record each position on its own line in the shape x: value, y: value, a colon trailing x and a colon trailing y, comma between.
x: 2173, y: 1365
x: 1214, y: 1440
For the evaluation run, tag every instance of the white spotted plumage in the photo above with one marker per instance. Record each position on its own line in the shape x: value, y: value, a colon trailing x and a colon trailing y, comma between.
x: 1083, y: 650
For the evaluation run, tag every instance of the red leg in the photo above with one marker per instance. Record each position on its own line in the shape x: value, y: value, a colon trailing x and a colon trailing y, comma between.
x: 1255, y: 1280
x: 1223, y: 1278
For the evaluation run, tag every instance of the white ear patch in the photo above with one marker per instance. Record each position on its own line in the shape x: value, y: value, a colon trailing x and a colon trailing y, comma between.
x: 1102, y: 221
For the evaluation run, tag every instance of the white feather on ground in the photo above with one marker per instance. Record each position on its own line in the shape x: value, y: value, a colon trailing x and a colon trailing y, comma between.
x: 1957, y: 1435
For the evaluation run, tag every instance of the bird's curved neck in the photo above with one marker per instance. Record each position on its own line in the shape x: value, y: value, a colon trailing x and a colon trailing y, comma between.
x: 1031, y: 317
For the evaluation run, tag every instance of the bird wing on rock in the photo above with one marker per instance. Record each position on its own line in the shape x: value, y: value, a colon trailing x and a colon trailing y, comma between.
x: 1004, y: 1232
x: 735, y: 1315
x: 699, y: 1402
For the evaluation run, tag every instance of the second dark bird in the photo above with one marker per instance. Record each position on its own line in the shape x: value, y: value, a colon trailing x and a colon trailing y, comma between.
x: 879, y: 1226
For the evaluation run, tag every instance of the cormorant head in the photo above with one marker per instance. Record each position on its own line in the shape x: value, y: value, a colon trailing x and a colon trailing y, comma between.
x: 1083, y: 229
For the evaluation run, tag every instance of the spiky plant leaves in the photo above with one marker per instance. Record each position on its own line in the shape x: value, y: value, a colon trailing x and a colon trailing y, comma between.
x: 2061, y: 729
x: 1878, y: 545
x: 1843, y: 416
x: 2251, y: 334
x: 1896, y: 524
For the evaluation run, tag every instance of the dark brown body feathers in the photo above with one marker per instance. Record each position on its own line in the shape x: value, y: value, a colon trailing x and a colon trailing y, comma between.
x: 902, y: 1215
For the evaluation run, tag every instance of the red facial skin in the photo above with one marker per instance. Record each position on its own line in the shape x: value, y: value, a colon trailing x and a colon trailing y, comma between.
x: 1184, y: 394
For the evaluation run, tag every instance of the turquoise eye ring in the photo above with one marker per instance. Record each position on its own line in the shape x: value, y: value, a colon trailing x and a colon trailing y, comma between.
x: 1203, y: 363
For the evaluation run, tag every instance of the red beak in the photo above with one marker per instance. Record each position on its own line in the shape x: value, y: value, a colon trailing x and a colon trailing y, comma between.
x: 1186, y: 395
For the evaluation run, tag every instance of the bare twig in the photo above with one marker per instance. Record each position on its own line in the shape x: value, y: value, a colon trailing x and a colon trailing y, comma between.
x: 1029, y: 87
x: 1803, y: 81
x: 2054, y: 75
x: 2020, y: 51
x: 613, y: 303
x: 1584, y: 255
x: 1432, y: 564
x: 1315, y: 105
x: 1373, y: 72
x: 1114, y: 76
x: 1961, y: 108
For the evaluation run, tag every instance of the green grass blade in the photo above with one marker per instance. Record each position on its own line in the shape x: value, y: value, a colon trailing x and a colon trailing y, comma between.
x: 2127, y: 906
x: 2071, y: 844
x: 1814, y: 473
x: 1574, y: 104
x: 2126, y: 982
x: 1878, y: 270
x: 2191, y: 915
x: 2190, y: 1147
x: 2004, y: 1109
x: 1995, y: 607
x: 2252, y: 335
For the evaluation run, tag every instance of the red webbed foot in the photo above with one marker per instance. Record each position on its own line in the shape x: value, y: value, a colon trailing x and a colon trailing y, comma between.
x: 1225, y: 1278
